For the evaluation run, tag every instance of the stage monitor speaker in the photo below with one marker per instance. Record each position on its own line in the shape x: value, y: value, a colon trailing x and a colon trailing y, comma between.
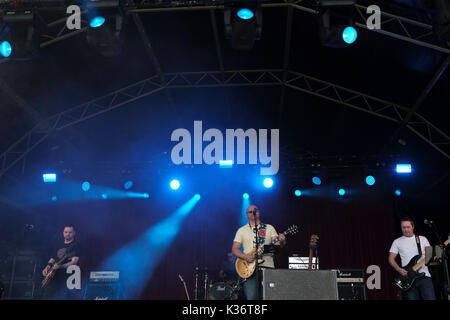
x: 103, y: 291
x: 284, y: 284
x: 352, y: 291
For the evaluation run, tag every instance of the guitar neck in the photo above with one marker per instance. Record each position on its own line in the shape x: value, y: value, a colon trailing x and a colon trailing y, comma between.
x: 419, y: 264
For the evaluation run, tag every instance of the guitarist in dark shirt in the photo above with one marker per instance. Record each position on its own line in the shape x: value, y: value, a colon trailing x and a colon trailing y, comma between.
x: 408, y: 248
x: 61, y: 257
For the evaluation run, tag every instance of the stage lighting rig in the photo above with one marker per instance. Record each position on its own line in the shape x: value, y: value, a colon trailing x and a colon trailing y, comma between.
x: 19, y: 35
x: 106, y: 21
x: 336, y: 23
x: 243, y: 23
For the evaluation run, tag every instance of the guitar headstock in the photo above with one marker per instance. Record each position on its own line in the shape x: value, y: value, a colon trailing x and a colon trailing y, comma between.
x: 293, y: 229
x: 181, y: 278
x: 313, y: 241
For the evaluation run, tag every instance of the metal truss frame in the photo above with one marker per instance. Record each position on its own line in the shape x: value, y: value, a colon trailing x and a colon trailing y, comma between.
x: 235, y: 78
x: 395, y: 26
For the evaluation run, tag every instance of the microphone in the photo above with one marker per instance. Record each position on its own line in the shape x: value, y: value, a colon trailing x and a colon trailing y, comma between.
x: 428, y: 222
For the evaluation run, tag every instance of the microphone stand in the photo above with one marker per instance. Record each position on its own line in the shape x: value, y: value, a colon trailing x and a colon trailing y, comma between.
x: 256, y: 255
x: 444, y: 261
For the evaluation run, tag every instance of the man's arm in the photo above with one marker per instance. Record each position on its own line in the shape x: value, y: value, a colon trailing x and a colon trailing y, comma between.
x: 393, y: 263
x: 236, y: 250
x: 73, y: 261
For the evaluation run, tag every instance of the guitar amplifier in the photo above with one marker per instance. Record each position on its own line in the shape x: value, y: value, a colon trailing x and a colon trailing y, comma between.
x: 285, y: 284
x: 103, y: 285
x: 351, y: 284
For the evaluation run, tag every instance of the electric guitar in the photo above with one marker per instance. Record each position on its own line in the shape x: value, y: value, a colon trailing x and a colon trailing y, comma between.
x: 245, y: 269
x: 312, y: 248
x: 406, y: 282
x: 51, y: 273
x: 185, y: 288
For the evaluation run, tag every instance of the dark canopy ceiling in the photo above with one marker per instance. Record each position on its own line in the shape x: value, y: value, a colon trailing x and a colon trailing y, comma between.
x: 69, y: 72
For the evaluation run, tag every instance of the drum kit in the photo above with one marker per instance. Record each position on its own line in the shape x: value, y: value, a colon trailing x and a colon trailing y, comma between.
x: 225, y: 288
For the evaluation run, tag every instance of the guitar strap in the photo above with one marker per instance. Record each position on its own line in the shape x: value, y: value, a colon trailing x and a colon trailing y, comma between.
x: 419, y: 247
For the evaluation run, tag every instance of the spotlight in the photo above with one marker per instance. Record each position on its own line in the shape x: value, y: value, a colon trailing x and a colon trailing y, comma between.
x: 5, y: 49
x: 49, y: 177
x: 85, y: 186
x: 245, y: 196
x: 226, y: 163
x: 197, y: 197
x: 341, y: 192
x: 175, y: 184
x: 268, y: 182
x: 403, y: 168
x: 96, y: 22
x: 243, y: 23
x: 336, y: 23
x: 127, y: 185
x: 398, y: 193
x: 54, y: 198
x: 317, y: 181
x: 104, y: 196
x: 370, y: 180
x: 146, y: 195
x: 298, y: 193
x: 106, y: 20
x: 19, y: 38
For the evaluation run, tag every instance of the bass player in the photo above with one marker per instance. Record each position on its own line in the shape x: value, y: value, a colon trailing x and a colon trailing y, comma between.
x: 408, y: 247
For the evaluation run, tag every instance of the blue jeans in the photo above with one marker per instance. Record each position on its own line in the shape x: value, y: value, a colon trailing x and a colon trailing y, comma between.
x: 250, y: 287
x: 423, y: 288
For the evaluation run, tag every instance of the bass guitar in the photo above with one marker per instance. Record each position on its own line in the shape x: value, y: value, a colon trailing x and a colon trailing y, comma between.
x: 406, y: 282
x: 312, y: 249
x: 185, y: 288
x: 245, y: 269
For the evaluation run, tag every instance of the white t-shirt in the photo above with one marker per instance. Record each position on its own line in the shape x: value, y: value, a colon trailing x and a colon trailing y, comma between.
x: 246, y: 237
x: 407, y: 248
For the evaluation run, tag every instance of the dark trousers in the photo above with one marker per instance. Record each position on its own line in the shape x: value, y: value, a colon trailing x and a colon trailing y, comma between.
x: 423, y: 289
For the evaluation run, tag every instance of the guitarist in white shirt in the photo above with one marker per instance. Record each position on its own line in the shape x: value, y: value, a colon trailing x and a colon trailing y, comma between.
x: 407, y: 247
x: 245, y: 237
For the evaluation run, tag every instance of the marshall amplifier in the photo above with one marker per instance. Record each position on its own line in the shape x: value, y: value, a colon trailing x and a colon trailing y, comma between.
x: 351, y: 284
x: 285, y: 284
x: 103, y: 285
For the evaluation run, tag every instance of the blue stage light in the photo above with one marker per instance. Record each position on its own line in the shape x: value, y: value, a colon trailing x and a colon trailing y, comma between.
x: 127, y: 185
x: 54, y: 198
x: 246, y: 195
x: 49, y: 177
x: 245, y: 14
x: 349, y: 35
x: 316, y: 181
x: 226, y: 163
x: 403, y: 168
x: 197, y: 197
x: 341, y: 192
x: 5, y: 49
x: 97, y: 22
x: 268, y: 182
x: 370, y: 180
x: 298, y: 193
x: 146, y: 195
x: 85, y: 186
x: 175, y: 184
x: 398, y: 193
x: 104, y: 196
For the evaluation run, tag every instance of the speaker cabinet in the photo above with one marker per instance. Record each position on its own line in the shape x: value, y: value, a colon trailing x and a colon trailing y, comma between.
x: 352, y: 291
x: 103, y: 291
x: 284, y: 284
